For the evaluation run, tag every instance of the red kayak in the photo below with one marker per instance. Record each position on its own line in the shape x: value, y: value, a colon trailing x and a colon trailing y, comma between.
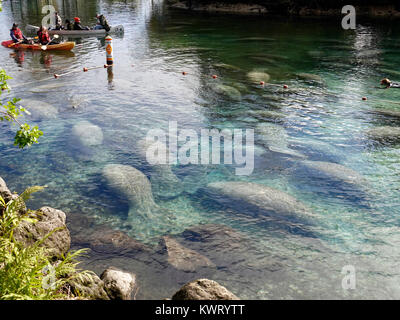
x: 62, y: 46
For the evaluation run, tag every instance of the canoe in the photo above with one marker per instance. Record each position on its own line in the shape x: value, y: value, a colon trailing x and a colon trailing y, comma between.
x: 65, y: 46
x: 101, y: 32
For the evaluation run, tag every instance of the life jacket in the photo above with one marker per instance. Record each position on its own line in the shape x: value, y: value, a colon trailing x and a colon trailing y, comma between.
x: 17, y: 33
x: 44, y: 37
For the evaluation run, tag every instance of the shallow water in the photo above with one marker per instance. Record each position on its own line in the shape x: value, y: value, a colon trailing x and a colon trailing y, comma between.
x: 321, y: 117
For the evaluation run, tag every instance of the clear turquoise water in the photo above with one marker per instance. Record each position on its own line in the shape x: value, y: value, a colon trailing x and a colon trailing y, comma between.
x: 324, y: 121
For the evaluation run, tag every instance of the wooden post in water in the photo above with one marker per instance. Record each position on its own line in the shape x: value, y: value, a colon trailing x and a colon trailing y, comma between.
x: 109, y: 51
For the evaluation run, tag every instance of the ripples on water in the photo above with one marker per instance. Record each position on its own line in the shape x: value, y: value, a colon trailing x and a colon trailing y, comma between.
x: 321, y: 117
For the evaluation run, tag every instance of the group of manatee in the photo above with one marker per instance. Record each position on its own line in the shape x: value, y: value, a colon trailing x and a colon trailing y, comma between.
x: 138, y: 189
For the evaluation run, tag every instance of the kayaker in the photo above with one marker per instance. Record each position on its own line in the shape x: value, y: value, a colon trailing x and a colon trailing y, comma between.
x: 17, y: 36
x: 389, y: 84
x: 58, y: 21
x: 102, y: 23
x: 68, y: 25
x: 77, y: 24
x: 44, y: 37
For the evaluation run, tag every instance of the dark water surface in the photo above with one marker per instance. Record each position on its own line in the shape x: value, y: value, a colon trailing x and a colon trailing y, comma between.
x: 321, y: 117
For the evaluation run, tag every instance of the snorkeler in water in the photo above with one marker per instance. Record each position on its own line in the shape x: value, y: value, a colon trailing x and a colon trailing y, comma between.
x: 389, y: 84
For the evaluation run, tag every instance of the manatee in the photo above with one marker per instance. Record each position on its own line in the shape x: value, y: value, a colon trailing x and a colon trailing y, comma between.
x: 48, y: 88
x: 334, y: 172
x: 385, y: 134
x: 260, y: 198
x: 258, y: 76
x: 133, y: 185
x: 272, y: 135
x: 388, y: 113
x: 39, y: 109
x: 88, y: 134
x: 262, y: 114
x: 164, y: 182
x: 310, y: 77
x: 228, y: 91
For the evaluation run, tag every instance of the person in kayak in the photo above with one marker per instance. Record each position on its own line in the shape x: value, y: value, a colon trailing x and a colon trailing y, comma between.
x: 77, y: 24
x: 389, y: 84
x: 44, y: 37
x: 58, y: 21
x: 68, y: 25
x: 102, y: 23
x: 17, y: 36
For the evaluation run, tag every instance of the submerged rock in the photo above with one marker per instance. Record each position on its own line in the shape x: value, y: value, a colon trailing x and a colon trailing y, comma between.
x: 385, y: 134
x: 88, y: 134
x: 39, y: 110
x: 134, y: 186
x: 118, y: 284
x: 164, y: 182
x: 260, y: 198
x: 182, y: 258
x: 49, y: 219
x: 204, y: 289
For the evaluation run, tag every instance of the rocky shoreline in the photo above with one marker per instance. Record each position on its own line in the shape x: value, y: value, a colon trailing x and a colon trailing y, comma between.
x: 113, y: 283
x: 285, y: 8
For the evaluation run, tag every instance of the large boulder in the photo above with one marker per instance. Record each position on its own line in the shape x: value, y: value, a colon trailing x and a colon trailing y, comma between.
x: 88, y: 286
x: 182, y: 258
x: 49, y: 220
x: 4, y: 191
x: 118, y: 284
x: 259, y: 198
x: 204, y: 289
x: 108, y: 241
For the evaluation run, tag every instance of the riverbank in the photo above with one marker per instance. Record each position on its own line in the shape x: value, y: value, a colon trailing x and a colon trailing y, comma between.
x: 43, y: 238
x: 285, y: 8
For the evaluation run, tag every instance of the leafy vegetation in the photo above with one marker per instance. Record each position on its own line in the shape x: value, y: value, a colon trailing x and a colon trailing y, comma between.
x: 28, y: 272
x: 10, y: 111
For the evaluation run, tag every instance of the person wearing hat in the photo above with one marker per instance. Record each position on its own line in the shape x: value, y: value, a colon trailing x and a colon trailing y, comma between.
x: 17, y: 36
x: 77, y: 24
x: 389, y: 84
x: 102, y: 23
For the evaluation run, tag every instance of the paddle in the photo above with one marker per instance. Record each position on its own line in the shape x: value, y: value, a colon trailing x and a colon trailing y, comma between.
x: 15, y: 43
x: 44, y: 47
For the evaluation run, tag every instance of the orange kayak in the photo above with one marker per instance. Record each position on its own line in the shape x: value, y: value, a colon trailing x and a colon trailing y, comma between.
x: 68, y: 46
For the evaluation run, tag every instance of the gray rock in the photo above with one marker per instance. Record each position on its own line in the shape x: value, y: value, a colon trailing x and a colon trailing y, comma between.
x: 108, y: 241
x: 49, y: 219
x: 182, y: 258
x: 259, y: 197
x: 118, y: 284
x: 90, y: 286
x: 204, y: 289
x: 4, y: 191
